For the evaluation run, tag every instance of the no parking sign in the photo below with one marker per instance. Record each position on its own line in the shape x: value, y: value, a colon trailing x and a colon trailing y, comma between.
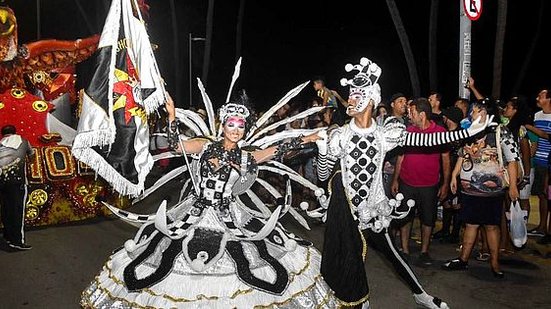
x: 473, y: 8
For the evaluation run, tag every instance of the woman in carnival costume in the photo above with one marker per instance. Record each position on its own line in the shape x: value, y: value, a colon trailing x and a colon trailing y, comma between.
x: 214, y: 249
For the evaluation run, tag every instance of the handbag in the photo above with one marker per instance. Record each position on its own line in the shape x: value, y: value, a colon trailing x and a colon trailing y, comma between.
x: 516, y: 221
x: 520, y: 167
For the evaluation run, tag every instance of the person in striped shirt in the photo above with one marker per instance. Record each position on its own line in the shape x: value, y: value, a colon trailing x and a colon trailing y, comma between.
x: 542, y: 121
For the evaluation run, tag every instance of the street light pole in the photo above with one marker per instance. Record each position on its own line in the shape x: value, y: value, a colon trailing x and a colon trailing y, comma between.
x: 190, y: 41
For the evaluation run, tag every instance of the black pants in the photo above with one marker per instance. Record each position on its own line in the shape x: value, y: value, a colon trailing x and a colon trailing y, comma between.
x: 13, y: 197
x: 342, y: 264
x: 382, y: 242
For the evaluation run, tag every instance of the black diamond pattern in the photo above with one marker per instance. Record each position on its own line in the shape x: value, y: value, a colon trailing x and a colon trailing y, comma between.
x: 371, y: 152
x: 356, y: 184
x: 371, y: 168
x: 361, y: 165
x: 210, y: 183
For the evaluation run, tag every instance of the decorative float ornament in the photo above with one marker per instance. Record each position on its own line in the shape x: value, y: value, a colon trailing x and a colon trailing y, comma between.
x: 60, y: 188
x: 8, y: 34
x: 26, y: 112
x: 21, y: 63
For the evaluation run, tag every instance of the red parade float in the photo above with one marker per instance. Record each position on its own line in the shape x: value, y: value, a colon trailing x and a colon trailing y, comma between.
x: 36, y: 85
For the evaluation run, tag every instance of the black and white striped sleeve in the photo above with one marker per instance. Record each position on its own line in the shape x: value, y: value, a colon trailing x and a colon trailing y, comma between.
x: 433, y: 139
x: 327, y: 160
x: 325, y: 166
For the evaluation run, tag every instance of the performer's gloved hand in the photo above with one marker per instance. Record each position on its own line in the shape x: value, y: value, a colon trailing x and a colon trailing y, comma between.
x: 322, y: 142
x: 478, y: 125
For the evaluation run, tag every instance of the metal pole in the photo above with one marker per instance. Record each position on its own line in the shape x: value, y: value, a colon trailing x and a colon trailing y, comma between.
x: 38, y: 30
x: 464, y: 51
x: 176, y: 51
x: 190, y: 75
x: 208, y: 43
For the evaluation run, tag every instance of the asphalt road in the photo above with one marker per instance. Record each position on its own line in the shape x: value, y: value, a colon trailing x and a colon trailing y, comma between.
x: 64, y: 259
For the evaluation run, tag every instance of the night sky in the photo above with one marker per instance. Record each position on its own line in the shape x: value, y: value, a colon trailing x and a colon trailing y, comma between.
x: 285, y: 44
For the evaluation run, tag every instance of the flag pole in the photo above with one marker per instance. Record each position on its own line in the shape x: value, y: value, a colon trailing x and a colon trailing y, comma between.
x: 166, y: 96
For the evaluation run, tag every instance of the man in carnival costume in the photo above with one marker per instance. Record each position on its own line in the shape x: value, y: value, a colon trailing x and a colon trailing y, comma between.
x: 358, y: 203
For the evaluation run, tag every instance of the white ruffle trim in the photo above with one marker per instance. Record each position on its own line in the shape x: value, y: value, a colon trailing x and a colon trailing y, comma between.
x: 306, y: 288
x: 122, y: 185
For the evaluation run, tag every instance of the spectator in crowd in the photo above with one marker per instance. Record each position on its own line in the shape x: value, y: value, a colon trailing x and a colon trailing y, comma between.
x: 280, y: 114
x: 452, y: 117
x: 482, y: 186
x: 463, y: 105
x: 417, y: 176
x: 202, y: 113
x: 471, y: 86
x: 434, y: 100
x: 398, y: 107
x: 380, y: 114
x: 331, y: 99
x: 14, y: 150
x: 517, y: 114
x: 328, y: 96
x: 542, y: 121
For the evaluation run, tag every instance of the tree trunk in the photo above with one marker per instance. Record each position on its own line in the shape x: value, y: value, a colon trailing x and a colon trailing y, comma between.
x: 498, y: 49
x: 239, y: 30
x: 208, y: 43
x: 404, y: 40
x: 433, y: 57
x: 176, y: 51
x: 531, y: 50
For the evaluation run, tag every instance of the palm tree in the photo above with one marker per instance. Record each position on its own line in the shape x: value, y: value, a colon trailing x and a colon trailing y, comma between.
x: 404, y: 40
x: 239, y: 30
x: 531, y: 50
x: 498, y: 49
x: 208, y: 43
x: 433, y: 31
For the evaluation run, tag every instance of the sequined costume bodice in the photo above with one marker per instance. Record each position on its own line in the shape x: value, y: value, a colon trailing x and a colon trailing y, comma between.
x: 219, y: 170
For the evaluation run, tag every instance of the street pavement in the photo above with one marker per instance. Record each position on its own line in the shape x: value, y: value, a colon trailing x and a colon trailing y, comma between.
x: 64, y: 259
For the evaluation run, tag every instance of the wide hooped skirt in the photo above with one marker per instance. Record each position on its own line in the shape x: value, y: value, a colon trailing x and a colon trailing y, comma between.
x: 217, y: 287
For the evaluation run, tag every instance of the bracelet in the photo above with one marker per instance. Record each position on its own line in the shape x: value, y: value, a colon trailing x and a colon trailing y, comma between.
x: 284, y: 147
x: 173, y: 134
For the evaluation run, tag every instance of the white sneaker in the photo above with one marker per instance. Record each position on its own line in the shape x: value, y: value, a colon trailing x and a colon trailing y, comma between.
x: 365, y: 305
x: 430, y: 302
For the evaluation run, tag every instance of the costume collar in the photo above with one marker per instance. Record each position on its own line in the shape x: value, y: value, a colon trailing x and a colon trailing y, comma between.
x: 362, y: 131
x: 11, y: 141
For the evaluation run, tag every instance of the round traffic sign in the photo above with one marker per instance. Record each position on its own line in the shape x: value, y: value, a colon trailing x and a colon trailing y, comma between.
x: 473, y: 8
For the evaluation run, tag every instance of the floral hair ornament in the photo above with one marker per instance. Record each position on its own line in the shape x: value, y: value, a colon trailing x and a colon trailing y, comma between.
x: 364, y: 83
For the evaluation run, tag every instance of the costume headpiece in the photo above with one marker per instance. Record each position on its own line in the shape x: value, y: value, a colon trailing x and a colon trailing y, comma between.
x: 364, y: 83
x: 237, y: 108
x: 233, y: 109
